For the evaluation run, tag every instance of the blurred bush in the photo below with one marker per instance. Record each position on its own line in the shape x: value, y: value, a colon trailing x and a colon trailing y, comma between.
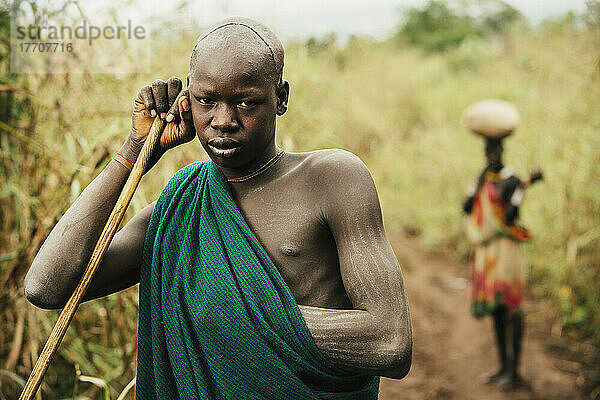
x: 439, y: 26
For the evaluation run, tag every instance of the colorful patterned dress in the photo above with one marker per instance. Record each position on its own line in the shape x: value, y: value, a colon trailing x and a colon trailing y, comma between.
x: 497, y: 266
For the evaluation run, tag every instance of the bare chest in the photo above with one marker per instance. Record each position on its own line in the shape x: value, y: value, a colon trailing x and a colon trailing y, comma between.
x: 289, y: 225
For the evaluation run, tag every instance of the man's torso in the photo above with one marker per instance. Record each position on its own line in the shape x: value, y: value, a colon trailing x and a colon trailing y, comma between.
x: 283, y: 207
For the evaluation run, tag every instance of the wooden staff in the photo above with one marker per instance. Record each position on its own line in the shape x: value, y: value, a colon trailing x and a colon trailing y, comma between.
x: 41, y: 366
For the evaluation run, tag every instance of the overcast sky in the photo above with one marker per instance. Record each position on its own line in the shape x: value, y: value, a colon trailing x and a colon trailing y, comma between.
x: 292, y: 19
x: 296, y: 18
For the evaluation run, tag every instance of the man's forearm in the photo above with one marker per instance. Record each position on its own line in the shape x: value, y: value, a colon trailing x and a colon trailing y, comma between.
x: 358, y: 341
x: 60, y: 262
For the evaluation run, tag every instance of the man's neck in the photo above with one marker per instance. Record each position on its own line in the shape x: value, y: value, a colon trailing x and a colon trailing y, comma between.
x: 256, y: 166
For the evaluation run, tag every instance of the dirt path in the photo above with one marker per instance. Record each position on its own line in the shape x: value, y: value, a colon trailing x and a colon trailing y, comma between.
x: 452, y: 350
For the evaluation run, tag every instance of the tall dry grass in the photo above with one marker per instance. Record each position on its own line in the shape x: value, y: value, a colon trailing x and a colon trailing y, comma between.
x: 398, y: 109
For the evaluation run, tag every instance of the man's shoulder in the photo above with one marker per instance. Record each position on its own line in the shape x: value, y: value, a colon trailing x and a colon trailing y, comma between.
x: 336, y: 174
x: 184, y: 172
x: 178, y: 179
x: 341, y: 184
x: 333, y: 163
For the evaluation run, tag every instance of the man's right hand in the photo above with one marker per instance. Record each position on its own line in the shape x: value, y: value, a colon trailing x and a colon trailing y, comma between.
x: 62, y: 259
x: 168, y: 101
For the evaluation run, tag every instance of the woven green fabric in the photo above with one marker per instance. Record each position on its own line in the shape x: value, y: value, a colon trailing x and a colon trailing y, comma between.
x: 216, y: 319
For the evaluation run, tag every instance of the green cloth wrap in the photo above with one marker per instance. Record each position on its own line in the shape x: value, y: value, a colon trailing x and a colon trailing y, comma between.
x: 216, y: 319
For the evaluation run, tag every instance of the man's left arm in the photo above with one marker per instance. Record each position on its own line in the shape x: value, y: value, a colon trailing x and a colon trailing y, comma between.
x: 375, y: 337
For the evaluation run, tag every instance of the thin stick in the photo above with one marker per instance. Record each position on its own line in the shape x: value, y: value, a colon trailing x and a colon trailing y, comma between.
x: 65, y: 317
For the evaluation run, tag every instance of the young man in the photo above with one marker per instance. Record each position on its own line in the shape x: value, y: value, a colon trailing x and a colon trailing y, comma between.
x: 263, y: 273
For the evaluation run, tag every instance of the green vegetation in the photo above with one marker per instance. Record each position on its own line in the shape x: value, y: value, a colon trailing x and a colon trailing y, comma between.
x: 439, y: 26
x: 396, y: 106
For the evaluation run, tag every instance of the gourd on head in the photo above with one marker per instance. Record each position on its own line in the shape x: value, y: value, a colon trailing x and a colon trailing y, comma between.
x: 491, y: 118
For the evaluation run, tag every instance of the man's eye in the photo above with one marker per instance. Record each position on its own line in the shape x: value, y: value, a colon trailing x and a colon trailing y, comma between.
x: 246, y: 104
x: 205, y: 101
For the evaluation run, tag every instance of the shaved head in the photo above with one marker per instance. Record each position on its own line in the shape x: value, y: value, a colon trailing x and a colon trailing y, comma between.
x: 242, y: 41
x: 237, y: 91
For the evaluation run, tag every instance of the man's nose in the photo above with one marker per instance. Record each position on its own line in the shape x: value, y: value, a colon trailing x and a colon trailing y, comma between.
x: 224, y: 118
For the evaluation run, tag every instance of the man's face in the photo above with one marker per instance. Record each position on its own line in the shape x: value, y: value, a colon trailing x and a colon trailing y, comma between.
x: 234, y: 104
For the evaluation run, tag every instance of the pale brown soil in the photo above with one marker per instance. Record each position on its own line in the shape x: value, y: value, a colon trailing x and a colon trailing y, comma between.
x: 452, y: 350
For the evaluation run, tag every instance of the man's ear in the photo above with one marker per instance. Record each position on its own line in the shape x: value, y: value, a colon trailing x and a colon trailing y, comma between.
x: 283, y: 94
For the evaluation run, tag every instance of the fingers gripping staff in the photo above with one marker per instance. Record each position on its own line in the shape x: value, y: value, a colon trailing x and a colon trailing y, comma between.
x: 171, y: 103
x: 154, y: 142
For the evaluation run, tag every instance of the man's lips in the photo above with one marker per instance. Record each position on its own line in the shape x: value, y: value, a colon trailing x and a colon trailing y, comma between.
x: 223, y: 143
x: 224, y: 147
